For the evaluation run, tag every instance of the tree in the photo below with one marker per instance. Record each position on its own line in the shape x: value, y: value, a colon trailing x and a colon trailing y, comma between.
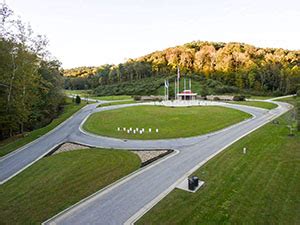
x: 77, y: 99
x: 30, y: 83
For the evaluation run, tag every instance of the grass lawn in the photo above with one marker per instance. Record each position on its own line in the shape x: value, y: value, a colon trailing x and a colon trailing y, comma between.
x: 12, y: 144
x: 265, y: 105
x: 59, y: 181
x: 85, y: 93
x: 117, y: 103
x: 82, y: 93
x: 290, y: 100
x: 171, y: 122
x: 261, y: 187
x: 114, y: 97
x: 261, y: 97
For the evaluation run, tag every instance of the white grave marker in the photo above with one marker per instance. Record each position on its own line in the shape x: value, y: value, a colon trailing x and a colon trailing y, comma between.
x: 141, y: 131
x: 149, y: 130
x: 118, y: 128
x: 156, y: 130
x: 134, y: 131
x: 244, y: 150
x: 124, y: 128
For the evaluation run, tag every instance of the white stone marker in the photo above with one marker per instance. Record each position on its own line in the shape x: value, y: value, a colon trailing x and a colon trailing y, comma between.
x: 149, y: 130
x: 118, y: 128
x: 130, y: 128
x: 124, y: 128
x: 141, y: 131
x: 156, y: 130
x: 128, y: 131
x: 244, y: 150
x: 134, y: 131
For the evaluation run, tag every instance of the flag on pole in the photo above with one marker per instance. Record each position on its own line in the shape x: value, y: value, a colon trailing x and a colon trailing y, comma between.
x: 166, y: 84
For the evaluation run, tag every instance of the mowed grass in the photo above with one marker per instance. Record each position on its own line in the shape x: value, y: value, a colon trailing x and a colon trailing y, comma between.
x: 259, y: 104
x: 261, y: 97
x: 82, y: 93
x: 86, y: 94
x: 117, y: 103
x: 59, y: 181
x: 171, y: 122
x: 114, y: 97
x: 12, y: 144
x: 261, y: 187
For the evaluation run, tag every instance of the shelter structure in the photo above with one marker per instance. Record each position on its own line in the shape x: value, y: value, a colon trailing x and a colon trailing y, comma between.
x: 186, y: 95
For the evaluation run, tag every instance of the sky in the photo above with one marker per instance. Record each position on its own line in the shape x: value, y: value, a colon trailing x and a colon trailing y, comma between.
x: 96, y: 32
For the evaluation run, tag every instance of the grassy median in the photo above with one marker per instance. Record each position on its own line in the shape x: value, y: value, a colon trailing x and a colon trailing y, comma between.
x: 264, y: 105
x: 260, y: 187
x: 170, y: 122
x: 59, y: 181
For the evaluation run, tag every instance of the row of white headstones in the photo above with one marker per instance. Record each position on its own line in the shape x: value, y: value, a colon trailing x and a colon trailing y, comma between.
x: 136, y: 130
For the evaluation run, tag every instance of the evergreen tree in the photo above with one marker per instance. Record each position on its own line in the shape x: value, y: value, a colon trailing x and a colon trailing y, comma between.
x: 77, y: 99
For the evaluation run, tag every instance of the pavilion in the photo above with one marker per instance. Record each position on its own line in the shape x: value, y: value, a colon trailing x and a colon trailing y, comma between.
x: 186, y: 95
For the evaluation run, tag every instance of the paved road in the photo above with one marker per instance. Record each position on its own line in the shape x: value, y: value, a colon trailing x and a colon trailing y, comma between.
x: 129, y: 198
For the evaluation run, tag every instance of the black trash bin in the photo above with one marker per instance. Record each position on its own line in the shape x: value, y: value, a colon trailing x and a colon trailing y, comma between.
x: 191, y: 184
x: 196, y: 181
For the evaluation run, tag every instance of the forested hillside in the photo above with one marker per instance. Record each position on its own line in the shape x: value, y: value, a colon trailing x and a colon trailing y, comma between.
x: 83, y: 71
x: 238, y: 65
x: 30, y: 80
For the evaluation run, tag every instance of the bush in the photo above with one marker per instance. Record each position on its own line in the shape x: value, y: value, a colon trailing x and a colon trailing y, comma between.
x: 216, y: 99
x: 137, y: 98
x: 77, y: 99
x: 238, y: 98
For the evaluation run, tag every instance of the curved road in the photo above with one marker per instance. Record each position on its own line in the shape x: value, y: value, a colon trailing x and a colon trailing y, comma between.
x: 130, y: 198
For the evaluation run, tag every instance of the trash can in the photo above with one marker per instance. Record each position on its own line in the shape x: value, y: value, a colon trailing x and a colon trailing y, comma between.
x: 191, y: 184
x: 196, y: 181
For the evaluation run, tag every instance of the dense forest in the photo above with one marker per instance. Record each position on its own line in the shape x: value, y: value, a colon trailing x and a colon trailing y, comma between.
x: 235, y: 66
x: 30, y: 79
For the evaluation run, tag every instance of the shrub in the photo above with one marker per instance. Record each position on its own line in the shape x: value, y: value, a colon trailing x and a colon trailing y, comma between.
x: 238, y: 98
x: 137, y: 98
x: 77, y: 99
x: 216, y: 99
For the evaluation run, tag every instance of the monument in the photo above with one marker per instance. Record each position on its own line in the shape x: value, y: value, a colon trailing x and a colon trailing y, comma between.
x: 185, y: 95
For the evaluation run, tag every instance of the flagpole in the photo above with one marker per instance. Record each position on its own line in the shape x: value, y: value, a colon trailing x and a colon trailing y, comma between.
x: 178, y: 81
x: 184, y: 87
x: 175, y: 97
x: 167, y: 90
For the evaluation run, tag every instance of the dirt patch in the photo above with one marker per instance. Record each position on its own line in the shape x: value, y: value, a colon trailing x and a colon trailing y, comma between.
x: 66, y: 147
x: 148, y: 157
